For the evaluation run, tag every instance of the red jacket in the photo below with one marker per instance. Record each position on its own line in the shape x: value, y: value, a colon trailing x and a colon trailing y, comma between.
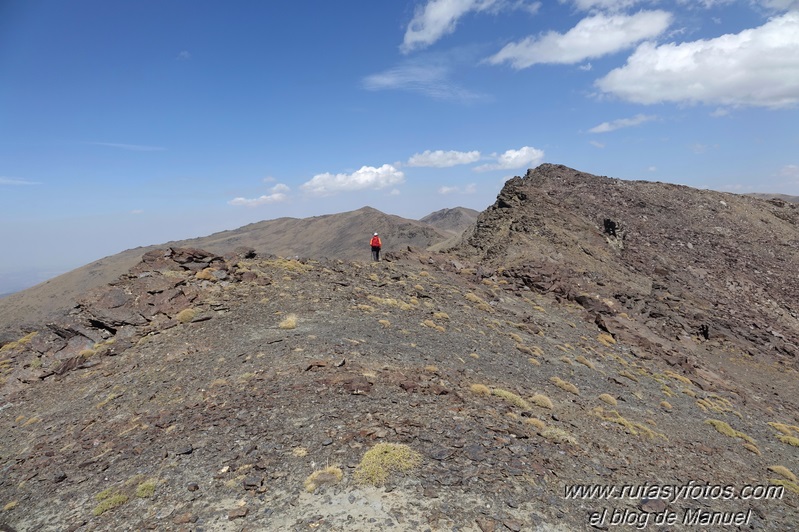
x: 376, y: 243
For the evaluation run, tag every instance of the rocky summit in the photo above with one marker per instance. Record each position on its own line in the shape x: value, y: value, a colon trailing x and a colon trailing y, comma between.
x: 591, y: 354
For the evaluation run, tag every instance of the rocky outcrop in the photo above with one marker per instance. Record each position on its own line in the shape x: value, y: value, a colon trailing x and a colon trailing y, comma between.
x: 679, y: 263
x: 110, y: 319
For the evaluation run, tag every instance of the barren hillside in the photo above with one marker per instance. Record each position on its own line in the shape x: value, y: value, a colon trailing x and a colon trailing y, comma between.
x: 473, y: 390
x: 343, y: 236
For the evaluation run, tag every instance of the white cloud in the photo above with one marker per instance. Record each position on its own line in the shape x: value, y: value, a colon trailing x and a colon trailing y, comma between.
x: 443, y: 159
x: 368, y: 177
x: 429, y: 76
x: 137, y: 211
x: 652, y: 169
x: 16, y: 182
x: 586, y: 67
x: 438, y: 18
x: 757, y: 67
x: 471, y: 188
x: 592, y: 37
x: 790, y: 171
x: 525, y: 156
x: 605, y: 127
x: 183, y: 56
x: 778, y: 5
x: 278, y: 194
x: 129, y: 147
x: 604, y: 5
x: 596, y: 144
x: 699, y: 148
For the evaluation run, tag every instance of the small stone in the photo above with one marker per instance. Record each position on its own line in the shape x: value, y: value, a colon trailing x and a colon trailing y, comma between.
x: 327, y: 442
x: 652, y: 505
x: 60, y: 476
x: 186, y: 449
x: 184, y: 519
x: 192, y: 486
x: 251, y: 483
x: 486, y: 525
x: 512, y: 524
x: 441, y: 454
x: 237, y: 513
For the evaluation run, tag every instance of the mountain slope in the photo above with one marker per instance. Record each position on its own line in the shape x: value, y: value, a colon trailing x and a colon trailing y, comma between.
x: 679, y: 261
x: 342, y: 236
x: 454, y: 220
x: 548, y: 351
x: 203, y: 396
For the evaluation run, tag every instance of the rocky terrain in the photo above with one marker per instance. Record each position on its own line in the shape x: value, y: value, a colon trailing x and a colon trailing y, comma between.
x: 455, y: 221
x: 340, y: 236
x: 466, y: 390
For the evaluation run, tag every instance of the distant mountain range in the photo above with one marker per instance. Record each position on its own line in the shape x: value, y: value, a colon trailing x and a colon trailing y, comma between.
x: 340, y: 236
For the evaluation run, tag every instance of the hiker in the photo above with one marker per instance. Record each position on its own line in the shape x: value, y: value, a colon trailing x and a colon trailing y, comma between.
x: 376, y: 245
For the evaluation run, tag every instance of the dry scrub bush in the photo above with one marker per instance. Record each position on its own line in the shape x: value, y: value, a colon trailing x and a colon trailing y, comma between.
x: 384, y: 459
x: 606, y: 339
x: 558, y: 435
x: 790, y: 440
x: 512, y: 398
x: 788, y: 430
x: 441, y: 315
x: 186, y: 315
x: 534, y: 421
x: 665, y: 405
x: 478, y: 301
x: 752, y: 448
x: 541, y: 401
x: 566, y: 386
x: 289, y: 322
x: 787, y: 484
x: 717, y: 404
x: 299, y: 452
x: 384, y: 323
x: 584, y: 361
x: 609, y: 399
x: 432, y: 325
x: 324, y: 477
x: 146, y: 489
x: 632, y: 427
x: 108, y: 500
x: 783, y: 471
x: 534, y: 361
x: 676, y: 376
x: 480, y: 389
x: 724, y: 428
x: 525, y: 349
x: 19, y: 343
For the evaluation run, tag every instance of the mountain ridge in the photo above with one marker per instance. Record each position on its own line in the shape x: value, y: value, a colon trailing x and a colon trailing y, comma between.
x: 547, y: 350
x: 340, y: 235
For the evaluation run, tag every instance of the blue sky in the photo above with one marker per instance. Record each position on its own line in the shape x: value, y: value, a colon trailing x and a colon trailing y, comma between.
x: 135, y: 122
